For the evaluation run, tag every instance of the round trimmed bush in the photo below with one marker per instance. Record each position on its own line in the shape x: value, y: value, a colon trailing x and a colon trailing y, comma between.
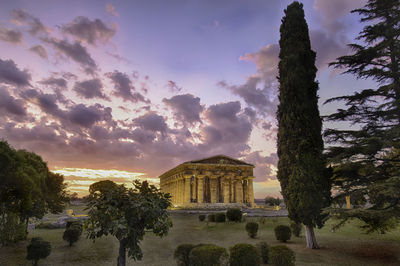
x: 263, y: 249
x: 281, y: 256
x: 283, y: 233
x: 244, y: 254
x: 252, y: 229
x: 296, y: 229
x: 220, y: 217
x: 234, y: 214
x: 202, y: 217
x: 181, y: 254
x: 72, y: 234
x: 38, y: 249
x: 208, y: 255
x: 211, y: 217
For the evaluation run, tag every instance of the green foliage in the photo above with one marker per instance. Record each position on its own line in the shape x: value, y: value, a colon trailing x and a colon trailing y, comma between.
x: 127, y: 213
x: 46, y: 225
x: 211, y: 217
x: 281, y: 256
x: 296, y: 229
x: 282, y: 233
x: 38, y: 249
x: 72, y: 234
x: 27, y: 187
x: 252, y: 229
x: 234, y: 214
x: 11, y: 230
x: 244, y: 254
x: 202, y: 217
x: 208, y: 255
x: 263, y: 249
x: 366, y: 156
x: 181, y: 254
x: 302, y: 172
x: 220, y: 217
x: 271, y: 201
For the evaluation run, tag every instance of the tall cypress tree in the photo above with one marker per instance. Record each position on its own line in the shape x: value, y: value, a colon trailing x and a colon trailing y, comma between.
x: 366, y: 153
x: 302, y: 171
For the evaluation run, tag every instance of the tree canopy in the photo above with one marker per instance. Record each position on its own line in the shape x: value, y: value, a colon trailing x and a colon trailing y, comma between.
x: 365, y: 153
x: 302, y: 172
x: 27, y: 187
x: 127, y: 214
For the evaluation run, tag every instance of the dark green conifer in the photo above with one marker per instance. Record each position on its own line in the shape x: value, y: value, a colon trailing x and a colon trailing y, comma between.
x: 365, y: 154
x: 302, y: 169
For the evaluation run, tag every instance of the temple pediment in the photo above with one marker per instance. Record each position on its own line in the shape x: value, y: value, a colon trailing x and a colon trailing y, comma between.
x: 219, y: 159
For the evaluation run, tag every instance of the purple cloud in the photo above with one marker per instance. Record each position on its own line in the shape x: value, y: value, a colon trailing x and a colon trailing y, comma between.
x: 10, y: 74
x: 10, y: 35
x: 39, y: 50
x: 124, y: 88
x: 90, y: 31
x: 186, y: 108
x: 90, y: 89
x: 22, y: 18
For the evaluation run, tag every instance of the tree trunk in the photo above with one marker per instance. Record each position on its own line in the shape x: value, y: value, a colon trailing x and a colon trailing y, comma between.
x: 310, y: 237
x: 121, y: 255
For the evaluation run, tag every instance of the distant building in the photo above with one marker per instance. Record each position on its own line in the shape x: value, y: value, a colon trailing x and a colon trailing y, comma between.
x: 214, y: 180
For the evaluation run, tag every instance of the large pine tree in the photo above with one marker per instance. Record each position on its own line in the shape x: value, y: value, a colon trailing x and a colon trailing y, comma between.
x: 366, y: 153
x: 302, y: 169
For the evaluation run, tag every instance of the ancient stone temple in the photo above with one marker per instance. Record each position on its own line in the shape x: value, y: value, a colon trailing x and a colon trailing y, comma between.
x: 216, y: 180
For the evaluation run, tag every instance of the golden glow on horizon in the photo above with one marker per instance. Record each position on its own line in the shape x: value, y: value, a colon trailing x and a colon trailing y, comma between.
x: 85, y: 177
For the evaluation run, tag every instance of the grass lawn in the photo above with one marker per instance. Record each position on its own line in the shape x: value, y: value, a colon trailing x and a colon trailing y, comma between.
x: 347, y: 246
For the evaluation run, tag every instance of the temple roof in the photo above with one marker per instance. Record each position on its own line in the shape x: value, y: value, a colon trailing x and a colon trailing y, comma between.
x: 218, y: 159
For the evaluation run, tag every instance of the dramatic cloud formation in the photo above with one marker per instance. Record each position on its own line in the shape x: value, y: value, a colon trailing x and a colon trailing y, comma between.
x: 152, y: 122
x: 76, y: 52
x: 11, y: 74
x: 186, y: 108
x: 90, y: 89
x: 86, y: 30
x: 22, y: 18
x: 11, y: 106
x: 173, y: 87
x: 10, y: 35
x: 265, y: 165
x: 124, y: 88
x: 88, y: 116
x: 39, y: 50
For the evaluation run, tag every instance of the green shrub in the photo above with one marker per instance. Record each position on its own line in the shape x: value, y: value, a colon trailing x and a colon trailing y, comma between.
x: 296, y: 229
x: 181, y: 254
x: 72, y: 234
x: 244, y: 254
x: 211, y: 217
x: 202, y: 217
x: 283, y: 233
x: 220, y: 217
x: 263, y: 249
x: 73, y: 223
x: 38, y: 249
x: 261, y: 220
x: 46, y: 225
x: 252, y: 228
x: 281, y: 256
x: 11, y: 229
x: 208, y: 255
x: 234, y: 214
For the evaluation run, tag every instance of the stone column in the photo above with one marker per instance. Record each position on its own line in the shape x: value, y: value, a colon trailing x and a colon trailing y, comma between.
x: 200, y: 185
x: 239, y: 191
x: 186, y: 190
x: 250, y: 190
x: 213, y: 189
x: 226, y: 190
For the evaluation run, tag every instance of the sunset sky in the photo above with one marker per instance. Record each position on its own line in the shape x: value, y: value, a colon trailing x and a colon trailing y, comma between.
x: 129, y: 89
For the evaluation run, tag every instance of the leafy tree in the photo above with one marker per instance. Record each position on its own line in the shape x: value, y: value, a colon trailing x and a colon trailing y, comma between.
x: 38, y: 249
x: 27, y: 187
x: 272, y: 201
x: 302, y: 171
x: 365, y: 153
x: 72, y: 234
x: 127, y: 214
